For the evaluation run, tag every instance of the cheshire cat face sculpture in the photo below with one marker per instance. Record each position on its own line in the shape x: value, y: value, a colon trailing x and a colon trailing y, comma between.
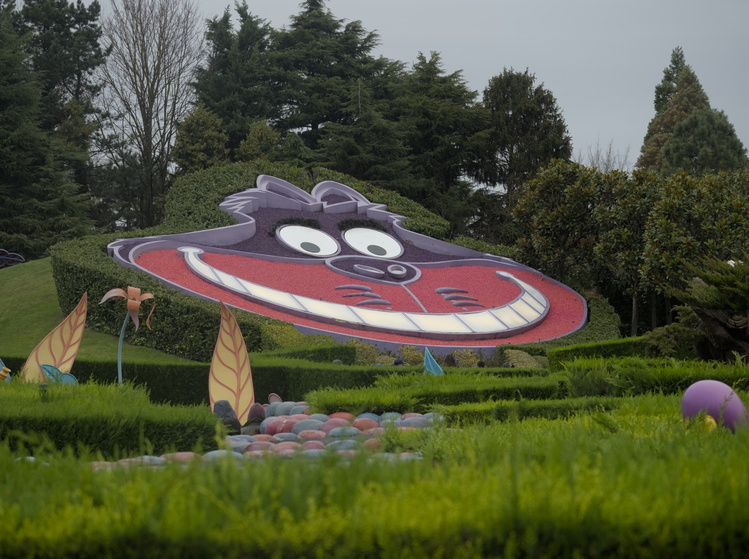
x: 333, y: 262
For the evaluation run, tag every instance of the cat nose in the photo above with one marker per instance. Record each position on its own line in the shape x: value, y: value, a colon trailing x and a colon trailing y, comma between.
x: 395, y: 271
x: 387, y: 270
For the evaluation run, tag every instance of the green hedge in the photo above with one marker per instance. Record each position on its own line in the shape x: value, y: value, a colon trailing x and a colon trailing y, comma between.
x: 114, y: 420
x: 284, y: 372
x: 624, y: 347
x: 633, y: 376
x: 419, y: 392
x: 486, y: 412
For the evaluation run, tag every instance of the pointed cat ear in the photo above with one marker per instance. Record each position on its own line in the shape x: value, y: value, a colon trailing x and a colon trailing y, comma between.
x: 335, y: 190
x: 280, y: 186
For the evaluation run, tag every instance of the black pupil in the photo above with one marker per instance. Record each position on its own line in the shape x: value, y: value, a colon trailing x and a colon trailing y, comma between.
x: 376, y: 249
x: 310, y: 247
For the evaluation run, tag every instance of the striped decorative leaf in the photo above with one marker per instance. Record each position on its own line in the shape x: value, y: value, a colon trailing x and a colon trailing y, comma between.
x: 60, y: 346
x: 231, y: 377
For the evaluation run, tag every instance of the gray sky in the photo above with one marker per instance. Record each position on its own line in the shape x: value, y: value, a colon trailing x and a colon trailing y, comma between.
x: 600, y: 58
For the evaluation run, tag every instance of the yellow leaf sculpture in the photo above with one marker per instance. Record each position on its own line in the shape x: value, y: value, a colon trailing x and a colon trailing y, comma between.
x: 231, y: 377
x: 60, y: 346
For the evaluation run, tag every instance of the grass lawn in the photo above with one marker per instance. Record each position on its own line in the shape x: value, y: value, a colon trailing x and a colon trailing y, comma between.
x: 29, y: 311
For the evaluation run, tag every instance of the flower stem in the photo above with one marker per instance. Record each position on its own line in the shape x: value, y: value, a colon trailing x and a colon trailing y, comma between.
x: 119, y: 349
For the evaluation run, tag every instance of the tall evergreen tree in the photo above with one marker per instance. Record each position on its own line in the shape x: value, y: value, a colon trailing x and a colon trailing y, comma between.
x: 238, y: 81
x: 370, y: 148
x: 686, y: 134
x: 525, y: 131
x: 66, y: 50
x: 665, y: 90
x: 321, y: 57
x: 704, y: 142
x: 441, y: 126
x: 39, y: 203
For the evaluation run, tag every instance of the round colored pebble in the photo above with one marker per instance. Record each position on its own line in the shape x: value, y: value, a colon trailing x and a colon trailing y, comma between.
x: 312, y: 435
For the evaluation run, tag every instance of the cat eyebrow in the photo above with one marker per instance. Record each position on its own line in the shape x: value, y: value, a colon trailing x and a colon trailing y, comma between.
x: 303, y: 221
x: 355, y: 222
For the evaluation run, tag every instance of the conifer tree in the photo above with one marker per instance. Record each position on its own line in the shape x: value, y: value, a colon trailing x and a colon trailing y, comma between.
x: 686, y: 133
x: 237, y: 83
x: 39, y: 203
x: 201, y: 142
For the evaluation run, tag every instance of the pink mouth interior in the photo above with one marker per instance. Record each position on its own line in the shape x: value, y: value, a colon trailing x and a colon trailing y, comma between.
x: 567, y: 310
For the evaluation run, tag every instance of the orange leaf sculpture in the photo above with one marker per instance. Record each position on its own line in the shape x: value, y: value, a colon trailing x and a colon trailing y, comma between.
x: 231, y: 377
x: 60, y: 346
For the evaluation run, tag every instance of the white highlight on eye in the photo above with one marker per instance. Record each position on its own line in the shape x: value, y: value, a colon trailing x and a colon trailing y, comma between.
x: 308, y: 241
x: 372, y: 242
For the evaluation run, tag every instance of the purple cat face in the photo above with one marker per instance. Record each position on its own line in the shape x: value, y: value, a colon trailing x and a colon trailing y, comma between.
x: 332, y: 261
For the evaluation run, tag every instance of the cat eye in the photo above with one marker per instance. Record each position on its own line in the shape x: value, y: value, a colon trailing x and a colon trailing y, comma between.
x: 372, y: 242
x: 308, y: 241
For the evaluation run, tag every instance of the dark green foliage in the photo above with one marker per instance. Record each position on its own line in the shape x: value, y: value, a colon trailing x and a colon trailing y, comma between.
x: 512, y: 410
x: 113, y: 420
x: 40, y: 205
x: 237, y: 82
x: 686, y: 134
x: 526, y: 131
x: 317, y: 57
x: 66, y: 50
x: 694, y: 217
x: 718, y: 299
x: 441, y: 127
x: 704, y: 142
x: 200, y: 143
x: 624, y: 347
x: 633, y: 376
x: 321, y: 353
x: 679, y: 339
x: 421, y: 392
x: 559, y: 234
x: 621, y: 217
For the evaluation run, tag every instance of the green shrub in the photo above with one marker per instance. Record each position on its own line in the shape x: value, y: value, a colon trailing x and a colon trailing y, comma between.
x: 504, y: 410
x: 419, y: 392
x: 634, y: 376
x: 520, y: 359
x: 625, y: 347
x: 113, y: 420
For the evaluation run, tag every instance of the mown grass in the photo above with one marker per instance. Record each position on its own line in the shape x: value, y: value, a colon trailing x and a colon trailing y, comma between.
x: 29, y: 311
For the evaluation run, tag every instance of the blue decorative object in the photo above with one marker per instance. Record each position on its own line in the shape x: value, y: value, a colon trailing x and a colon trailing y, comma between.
x: 10, y: 258
x: 430, y: 364
x: 4, y: 372
x: 56, y: 376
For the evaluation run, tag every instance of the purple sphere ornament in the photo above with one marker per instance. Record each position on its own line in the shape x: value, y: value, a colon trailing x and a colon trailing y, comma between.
x: 716, y: 399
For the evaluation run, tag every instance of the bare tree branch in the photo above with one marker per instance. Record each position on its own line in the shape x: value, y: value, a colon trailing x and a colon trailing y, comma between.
x: 157, y: 45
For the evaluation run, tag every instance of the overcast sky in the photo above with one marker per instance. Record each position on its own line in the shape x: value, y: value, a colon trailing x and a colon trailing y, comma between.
x: 600, y: 58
